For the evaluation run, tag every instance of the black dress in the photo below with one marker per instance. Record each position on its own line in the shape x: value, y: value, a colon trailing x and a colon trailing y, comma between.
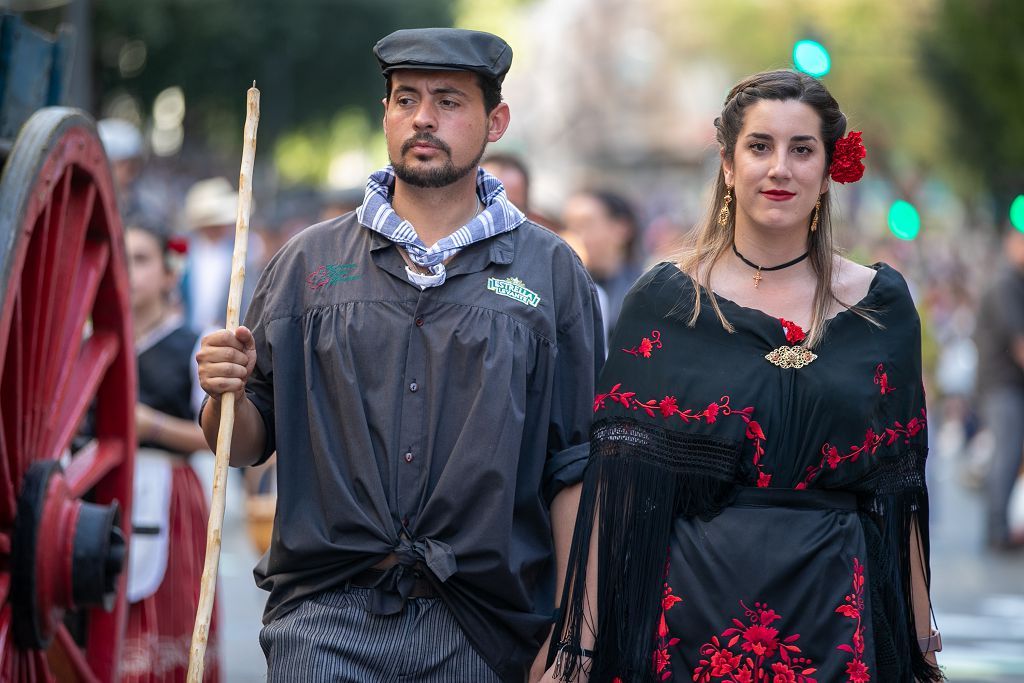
x: 755, y: 499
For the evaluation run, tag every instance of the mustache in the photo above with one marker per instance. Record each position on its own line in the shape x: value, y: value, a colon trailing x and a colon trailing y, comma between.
x: 428, y: 139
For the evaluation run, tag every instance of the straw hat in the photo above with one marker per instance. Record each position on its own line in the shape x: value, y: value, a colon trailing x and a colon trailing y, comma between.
x: 210, y: 202
x: 121, y: 139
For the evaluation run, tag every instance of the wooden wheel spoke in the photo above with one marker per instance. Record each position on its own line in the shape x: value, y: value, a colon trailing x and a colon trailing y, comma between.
x: 91, y: 464
x: 34, y: 283
x: 6, y: 646
x: 67, y: 659
x: 88, y: 372
x: 8, y: 500
x: 66, y: 258
x: 82, y: 297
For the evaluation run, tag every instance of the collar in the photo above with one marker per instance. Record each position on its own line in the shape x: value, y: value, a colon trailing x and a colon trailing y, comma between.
x: 376, y: 214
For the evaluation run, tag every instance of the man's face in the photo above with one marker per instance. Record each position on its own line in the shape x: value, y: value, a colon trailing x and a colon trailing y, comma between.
x: 436, y: 126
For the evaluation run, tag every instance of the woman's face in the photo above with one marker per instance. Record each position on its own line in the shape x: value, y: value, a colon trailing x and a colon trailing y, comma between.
x: 778, y: 168
x: 150, y: 280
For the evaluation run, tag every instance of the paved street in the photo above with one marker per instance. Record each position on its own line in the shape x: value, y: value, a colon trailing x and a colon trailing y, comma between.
x: 979, y: 595
x: 239, y: 601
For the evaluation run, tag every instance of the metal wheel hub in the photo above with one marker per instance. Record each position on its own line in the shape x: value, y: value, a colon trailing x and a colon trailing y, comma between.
x: 66, y: 554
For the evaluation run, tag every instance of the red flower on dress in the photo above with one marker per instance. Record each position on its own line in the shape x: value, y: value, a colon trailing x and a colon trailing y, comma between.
x: 846, y: 159
x: 754, y: 430
x: 769, y: 658
x: 761, y: 640
x: 667, y: 406
x: 794, y: 333
x: 882, y: 380
x: 853, y: 608
x: 764, y: 480
x: 711, y: 413
x: 724, y: 662
x: 834, y: 458
x: 646, y: 345
x: 857, y: 672
x: 782, y: 673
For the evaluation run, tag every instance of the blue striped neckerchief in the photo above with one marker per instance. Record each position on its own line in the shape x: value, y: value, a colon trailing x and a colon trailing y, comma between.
x: 499, y: 215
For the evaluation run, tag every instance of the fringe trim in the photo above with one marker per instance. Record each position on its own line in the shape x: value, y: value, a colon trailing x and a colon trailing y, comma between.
x: 639, y: 479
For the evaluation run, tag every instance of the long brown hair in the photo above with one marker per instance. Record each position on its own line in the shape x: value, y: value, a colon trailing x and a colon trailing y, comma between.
x: 709, y: 240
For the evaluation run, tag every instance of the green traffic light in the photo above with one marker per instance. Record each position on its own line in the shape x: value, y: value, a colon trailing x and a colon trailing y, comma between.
x: 904, y: 221
x: 812, y: 58
x: 1017, y: 213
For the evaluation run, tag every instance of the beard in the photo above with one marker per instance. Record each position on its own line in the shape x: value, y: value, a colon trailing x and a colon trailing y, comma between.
x: 442, y: 176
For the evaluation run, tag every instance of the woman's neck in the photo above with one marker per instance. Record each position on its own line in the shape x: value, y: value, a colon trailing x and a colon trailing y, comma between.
x: 148, y: 318
x: 770, y: 248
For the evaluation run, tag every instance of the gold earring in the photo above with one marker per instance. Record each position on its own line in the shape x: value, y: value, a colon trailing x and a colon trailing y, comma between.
x: 723, y: 213
x: 814, y: 221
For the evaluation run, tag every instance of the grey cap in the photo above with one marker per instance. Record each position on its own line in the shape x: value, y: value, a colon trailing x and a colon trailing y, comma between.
x: 444, y: 49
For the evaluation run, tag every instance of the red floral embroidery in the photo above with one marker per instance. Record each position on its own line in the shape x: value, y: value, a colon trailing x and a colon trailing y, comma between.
x: 794, y: 333
x: 669, y: 406
x: 318, y: 278
x: 832, y: 458
x: 853, y: 608
x: 661, y: 658
x: 882, y: 380
x: 646, y: 345
x: 754, y: 651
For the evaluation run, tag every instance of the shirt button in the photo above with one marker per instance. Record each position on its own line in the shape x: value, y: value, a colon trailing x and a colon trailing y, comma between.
x: 414, y: 387
x: 419, y: 321
x: 408, y: 457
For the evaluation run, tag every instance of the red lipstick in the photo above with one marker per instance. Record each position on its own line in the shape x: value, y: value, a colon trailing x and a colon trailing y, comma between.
x: 778, y: 195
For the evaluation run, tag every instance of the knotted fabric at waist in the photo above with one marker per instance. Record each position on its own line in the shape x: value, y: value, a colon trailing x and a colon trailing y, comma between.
x: 817, y: 499
x: 419, y: 567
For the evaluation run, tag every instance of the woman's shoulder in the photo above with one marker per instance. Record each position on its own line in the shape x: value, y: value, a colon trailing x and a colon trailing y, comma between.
x: 662, y: 281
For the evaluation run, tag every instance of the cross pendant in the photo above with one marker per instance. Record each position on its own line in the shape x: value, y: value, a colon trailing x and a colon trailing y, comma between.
x: 757, y: 278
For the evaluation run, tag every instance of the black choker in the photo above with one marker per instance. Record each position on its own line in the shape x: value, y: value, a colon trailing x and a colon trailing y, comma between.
x: 757, y: 275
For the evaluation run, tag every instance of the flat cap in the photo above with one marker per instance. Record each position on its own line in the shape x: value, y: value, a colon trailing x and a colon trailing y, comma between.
x: 444, y: 49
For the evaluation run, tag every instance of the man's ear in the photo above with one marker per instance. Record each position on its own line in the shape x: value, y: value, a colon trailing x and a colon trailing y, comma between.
x: 497, y: 122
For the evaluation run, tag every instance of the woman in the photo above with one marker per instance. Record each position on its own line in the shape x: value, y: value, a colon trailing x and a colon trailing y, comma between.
x: 757, y: 457
x: 169, y: 510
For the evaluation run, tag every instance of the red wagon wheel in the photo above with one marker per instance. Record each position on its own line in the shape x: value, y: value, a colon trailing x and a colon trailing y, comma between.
x: 67, y: 358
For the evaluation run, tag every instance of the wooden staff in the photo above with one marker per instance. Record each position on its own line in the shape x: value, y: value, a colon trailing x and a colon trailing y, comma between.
x: 201, y: 632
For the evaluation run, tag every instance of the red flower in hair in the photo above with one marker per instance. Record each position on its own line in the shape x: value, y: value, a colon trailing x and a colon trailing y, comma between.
x: 178, y: 245
x: 846, y: 160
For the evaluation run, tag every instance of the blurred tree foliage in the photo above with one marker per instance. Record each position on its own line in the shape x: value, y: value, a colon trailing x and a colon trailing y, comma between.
x: 310, y: 58
x: 974, y: 56
x: 875, y: 75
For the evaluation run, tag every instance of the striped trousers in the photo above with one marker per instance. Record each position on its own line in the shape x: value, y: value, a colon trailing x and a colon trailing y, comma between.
x: 332, y: 638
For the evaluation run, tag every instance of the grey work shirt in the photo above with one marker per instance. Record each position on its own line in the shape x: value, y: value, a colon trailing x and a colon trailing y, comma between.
x: 434, y: 424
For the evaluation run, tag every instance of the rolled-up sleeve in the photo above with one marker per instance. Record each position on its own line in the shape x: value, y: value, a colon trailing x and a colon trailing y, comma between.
x: 260, y: 387
x: 580, y: 356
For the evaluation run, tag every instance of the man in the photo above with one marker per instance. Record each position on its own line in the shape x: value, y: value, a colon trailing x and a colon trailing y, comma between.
x: 209, y: 219
x: 430, y: 406
x: 999, y: 337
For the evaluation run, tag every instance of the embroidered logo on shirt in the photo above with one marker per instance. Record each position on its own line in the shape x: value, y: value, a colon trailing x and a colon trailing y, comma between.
x: 331, y: 274
x: 513, y: 288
